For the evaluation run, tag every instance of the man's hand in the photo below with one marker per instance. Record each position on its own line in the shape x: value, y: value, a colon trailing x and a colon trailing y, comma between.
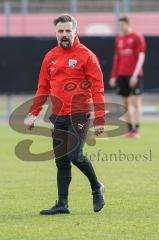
x: 99, y: 130
x: 133, y: 82
x: 30, y: 121
x: 112, y: 82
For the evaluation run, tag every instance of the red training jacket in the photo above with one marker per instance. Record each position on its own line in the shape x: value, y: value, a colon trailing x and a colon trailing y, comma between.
x: 73, y: 79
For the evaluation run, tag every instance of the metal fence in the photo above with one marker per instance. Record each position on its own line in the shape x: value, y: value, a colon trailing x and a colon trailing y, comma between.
x: 26, y: 17
x: 47, y: 6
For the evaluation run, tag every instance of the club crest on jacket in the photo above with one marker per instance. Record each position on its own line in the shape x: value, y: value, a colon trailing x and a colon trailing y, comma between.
x: 72, y: 63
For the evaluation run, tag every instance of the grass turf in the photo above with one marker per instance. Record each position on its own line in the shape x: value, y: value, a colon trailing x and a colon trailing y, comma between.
x: 131, y: 211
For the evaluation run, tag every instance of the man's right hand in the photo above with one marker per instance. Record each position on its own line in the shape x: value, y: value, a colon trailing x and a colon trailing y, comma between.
x: 112, y: 82
x: 99, y: 130
x: 30, y: 121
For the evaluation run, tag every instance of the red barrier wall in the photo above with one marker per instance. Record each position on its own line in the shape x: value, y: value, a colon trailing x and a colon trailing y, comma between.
x: 88, y: 24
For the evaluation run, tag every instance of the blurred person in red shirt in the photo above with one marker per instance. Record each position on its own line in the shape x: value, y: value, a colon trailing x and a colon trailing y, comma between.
x: 127, y: 72
x: 71, y: 75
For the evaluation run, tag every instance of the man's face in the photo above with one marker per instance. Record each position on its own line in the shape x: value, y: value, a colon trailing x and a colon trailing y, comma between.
x: 65, y: 34
x: 124, y: 27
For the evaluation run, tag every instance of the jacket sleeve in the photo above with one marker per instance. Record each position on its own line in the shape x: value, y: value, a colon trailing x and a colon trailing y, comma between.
x: 43, y: 89
x: 94, y: 74
x: 114, y: 72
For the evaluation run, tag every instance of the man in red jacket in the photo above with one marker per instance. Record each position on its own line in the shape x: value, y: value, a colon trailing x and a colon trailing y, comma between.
x: 71, y: 75
x: 127, y: 72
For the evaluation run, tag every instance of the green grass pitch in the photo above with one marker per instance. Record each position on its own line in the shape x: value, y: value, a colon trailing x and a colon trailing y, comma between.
x: 132, y: 206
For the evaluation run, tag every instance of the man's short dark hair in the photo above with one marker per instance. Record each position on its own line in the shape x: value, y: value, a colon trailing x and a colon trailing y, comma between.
x: 124, y: 19
x: 66, y: 18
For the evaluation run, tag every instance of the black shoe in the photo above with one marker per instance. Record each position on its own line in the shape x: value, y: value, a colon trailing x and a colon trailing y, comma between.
x: 98, y: 198
x: 56, y: 209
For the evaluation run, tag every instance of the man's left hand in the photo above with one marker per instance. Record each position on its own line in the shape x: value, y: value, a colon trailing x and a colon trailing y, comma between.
x: 133, y: 82
x: 99, y: 130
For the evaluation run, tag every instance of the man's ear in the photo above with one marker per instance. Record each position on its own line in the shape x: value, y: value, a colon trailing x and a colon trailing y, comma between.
x: 55, y: 31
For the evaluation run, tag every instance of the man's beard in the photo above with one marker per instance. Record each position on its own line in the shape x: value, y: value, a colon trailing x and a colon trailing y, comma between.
x: 65, y: 43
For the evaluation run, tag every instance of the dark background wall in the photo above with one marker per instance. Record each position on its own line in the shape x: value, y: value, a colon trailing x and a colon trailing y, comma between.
x: 21, y: 57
